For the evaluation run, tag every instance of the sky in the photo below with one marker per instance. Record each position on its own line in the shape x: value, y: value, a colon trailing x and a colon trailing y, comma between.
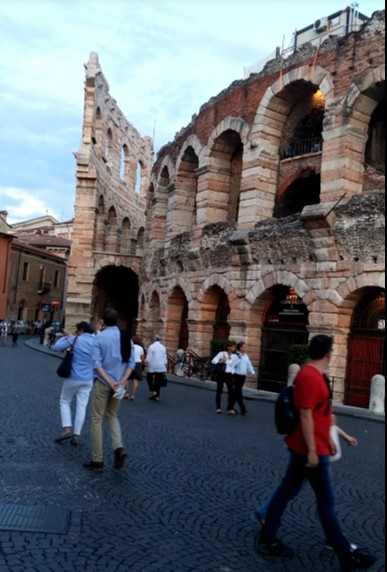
x: 162, y: 58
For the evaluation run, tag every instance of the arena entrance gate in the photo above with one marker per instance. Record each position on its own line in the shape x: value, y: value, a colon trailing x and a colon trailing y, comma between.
x: 366, y: 347
x: 286, y: 326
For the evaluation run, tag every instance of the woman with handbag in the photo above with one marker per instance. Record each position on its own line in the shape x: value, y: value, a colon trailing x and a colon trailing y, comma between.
x: 77, y: 369
x: 225, y: 363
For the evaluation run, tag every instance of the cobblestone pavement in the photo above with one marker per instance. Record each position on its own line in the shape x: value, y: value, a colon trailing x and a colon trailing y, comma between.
x: 185, y: 502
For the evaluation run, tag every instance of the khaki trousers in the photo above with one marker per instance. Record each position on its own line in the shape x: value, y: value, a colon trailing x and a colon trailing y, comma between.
x: 103, y: 405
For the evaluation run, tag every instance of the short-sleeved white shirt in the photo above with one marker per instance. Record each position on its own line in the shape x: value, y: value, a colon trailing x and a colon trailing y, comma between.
x: 138, y: 353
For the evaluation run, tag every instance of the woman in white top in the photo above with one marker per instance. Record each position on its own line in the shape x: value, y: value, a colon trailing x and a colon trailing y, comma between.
x: 136, y: 375
x: 225, y: 362
x: 243, y: 368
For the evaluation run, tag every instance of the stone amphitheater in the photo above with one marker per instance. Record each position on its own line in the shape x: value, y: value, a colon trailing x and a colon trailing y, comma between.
x: 262, y: 221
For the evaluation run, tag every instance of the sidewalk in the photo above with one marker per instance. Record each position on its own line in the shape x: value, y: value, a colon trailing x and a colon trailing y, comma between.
x: 249, y: 393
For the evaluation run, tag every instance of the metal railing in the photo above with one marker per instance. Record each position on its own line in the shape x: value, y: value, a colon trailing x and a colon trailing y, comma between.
x: 301, y: 147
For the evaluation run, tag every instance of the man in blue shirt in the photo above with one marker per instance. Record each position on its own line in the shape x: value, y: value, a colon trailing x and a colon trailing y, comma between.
x: 114, y: 361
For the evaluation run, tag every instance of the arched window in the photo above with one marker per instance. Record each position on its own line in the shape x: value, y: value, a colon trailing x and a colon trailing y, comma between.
x: 100, y: 234
x: 138, y: 182
x: 185, y: 216
x: 112, y: 231
x: 304, y: 191
x: 125, y: 236
x: 124, y: 163
x: 226, y: 168
x: 109, y: 146
x: 140, y: 241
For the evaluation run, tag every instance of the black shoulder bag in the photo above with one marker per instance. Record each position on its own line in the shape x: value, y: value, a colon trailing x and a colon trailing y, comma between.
x: 66, y: 365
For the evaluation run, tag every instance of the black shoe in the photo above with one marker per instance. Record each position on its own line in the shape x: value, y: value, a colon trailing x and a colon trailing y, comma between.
x: 63, y: 438
x: 357, y: 560
x: 75, y: 441
x: 94, y: 467
x: 276, y: 549
x: 120, y: 457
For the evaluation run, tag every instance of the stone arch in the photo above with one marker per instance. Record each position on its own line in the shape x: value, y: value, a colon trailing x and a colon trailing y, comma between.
x: 182, y: 204
x: 140, y: 241
x: 116, y: 287
x: 170, y: 166
x: 184, y: 285
x: 236, y: 124
x: 221, y: 282
x: 213, y: 320
x: 352, y: 345
x: 261, y: 177
x: 346, y: 145
x: 100, y: 229
x: 124, y: 163
x: 270, y: 332
x: 194, y: 142
x: 274, y: 278
x: 177, y: 315
x: 126, y: 227
x: 112, y: 240
x: 155, y: 314
x: 371, y: 77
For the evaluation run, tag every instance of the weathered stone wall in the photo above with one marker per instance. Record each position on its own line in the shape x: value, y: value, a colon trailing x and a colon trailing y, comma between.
x: 329, y: 254
x: 110, y: 196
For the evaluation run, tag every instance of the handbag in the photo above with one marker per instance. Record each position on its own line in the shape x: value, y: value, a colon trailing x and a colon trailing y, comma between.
x: 65, y: 368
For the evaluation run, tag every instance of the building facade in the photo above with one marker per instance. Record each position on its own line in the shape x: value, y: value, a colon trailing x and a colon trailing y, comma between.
x: 113, y: 169
x: 264, y: 217
x: 36, y: 284
x: 5, y: 249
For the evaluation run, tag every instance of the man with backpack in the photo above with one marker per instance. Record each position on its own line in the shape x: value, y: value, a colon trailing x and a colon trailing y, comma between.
x: 311, y: 448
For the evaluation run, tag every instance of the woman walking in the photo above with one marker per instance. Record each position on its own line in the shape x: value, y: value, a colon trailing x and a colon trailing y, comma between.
x: 225, y: 363
x: 136, y: 375
x: 243, y: 368
x: 80, y: 384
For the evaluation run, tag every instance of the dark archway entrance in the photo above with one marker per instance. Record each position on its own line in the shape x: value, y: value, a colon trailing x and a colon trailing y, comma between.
x: 221, y: 326
x: 177, y: 333
x: 305, y: 191
x: 117, y: 287
x: 286, y: 326
x: 366, y: 347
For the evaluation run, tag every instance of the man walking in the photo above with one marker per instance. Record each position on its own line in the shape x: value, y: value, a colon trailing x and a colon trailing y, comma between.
x: 114, y: 362
x: 311, y: 449
x: 157, y: 361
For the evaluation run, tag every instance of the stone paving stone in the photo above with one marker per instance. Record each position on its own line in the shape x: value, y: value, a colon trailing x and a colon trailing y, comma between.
x: 185, y: 501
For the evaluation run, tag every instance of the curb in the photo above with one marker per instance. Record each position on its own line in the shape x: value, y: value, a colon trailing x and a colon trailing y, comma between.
x: 249, y: 393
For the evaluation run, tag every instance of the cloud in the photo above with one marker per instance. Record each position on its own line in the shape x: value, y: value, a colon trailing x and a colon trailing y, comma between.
x: 22, y: 204
x: 162, y: 59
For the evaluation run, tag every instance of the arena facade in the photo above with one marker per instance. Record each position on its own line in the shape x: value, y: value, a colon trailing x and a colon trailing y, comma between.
x: 264, y: 217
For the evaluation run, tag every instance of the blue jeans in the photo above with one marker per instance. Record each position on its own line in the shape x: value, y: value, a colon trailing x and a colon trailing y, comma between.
x: 321, y: 483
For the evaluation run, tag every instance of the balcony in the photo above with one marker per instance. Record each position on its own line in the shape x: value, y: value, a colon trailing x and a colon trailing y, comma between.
x: 301, y: 147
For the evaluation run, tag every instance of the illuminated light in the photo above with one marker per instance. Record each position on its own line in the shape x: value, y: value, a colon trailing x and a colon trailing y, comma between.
x: 319, y: 98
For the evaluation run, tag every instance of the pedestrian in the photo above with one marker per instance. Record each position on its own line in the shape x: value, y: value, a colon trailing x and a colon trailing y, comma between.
x: 114, y: 362
x: 311, y: 449
x: 4, y: 332
x: 243, y: 368
x: 136, y: 375
x: 15, y: 330
x: 157, y: 362
x: 80, y: 383
x: 225, y: 363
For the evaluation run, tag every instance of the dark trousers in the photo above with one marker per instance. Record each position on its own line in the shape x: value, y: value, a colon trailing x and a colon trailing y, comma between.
x: 239, y: 381
x: 155, y: 381
x: 224, y: 379
x: 321, y: 482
